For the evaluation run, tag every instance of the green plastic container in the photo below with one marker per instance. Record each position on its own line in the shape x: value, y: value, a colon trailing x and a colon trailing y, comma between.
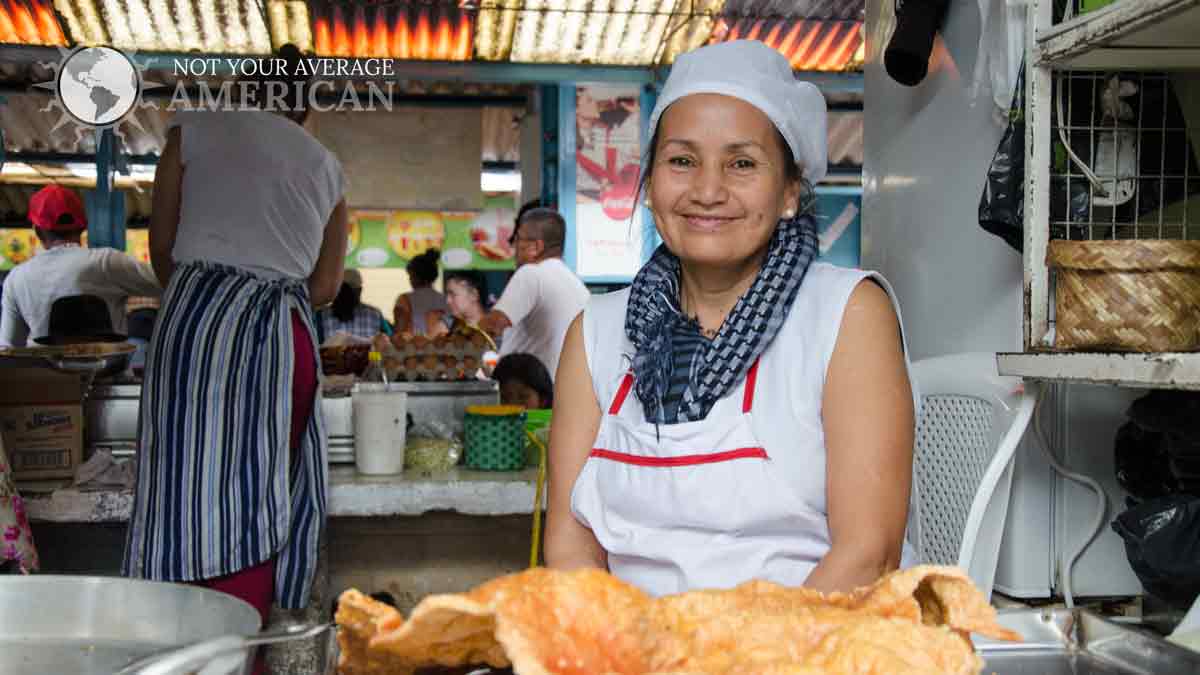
x: 495, y: 438
x: 537, y: 422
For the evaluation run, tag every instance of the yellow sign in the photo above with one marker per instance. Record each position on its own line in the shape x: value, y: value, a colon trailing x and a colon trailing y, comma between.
x: 411, y: 233
x: 18, y: 245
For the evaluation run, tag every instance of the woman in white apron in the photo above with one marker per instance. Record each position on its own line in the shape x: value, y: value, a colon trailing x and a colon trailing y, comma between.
x: 741, y: 411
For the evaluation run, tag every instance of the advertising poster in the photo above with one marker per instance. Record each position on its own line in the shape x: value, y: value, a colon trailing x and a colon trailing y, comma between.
x: 479, y: 240
x: 608, y: 228
x: 19, y: 244
x: 390, y: 238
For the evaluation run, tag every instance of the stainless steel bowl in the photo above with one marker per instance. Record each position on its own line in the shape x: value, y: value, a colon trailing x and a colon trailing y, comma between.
x: 98, y: 366
x: 97, y: 625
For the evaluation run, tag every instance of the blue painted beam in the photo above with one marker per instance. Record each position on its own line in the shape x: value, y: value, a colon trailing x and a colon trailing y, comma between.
x: 106, y: 205
x: 72, y: 158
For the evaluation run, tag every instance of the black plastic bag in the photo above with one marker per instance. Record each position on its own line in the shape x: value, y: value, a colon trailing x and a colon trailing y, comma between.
x: 1162, y: 542
x: 1140, y: 460
x: 1002, y: 205
x: 1175, y: 417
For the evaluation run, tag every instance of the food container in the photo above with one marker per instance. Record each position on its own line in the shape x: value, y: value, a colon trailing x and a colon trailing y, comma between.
x: 1078, y: 642
x: 1126, y: 295
x: 380, y: 426
x: 97, y: 625
x: 537, y: 422
x: 495, y: 437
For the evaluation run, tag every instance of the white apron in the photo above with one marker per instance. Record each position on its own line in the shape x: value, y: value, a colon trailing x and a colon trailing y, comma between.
x: 696, y: 504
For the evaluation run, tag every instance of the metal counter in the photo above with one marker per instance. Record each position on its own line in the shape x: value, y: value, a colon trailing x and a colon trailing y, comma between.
x: 112, y: 413
x: 1074, y: 642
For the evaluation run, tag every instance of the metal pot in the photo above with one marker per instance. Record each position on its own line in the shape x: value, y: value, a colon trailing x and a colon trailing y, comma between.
x: 97, y: 625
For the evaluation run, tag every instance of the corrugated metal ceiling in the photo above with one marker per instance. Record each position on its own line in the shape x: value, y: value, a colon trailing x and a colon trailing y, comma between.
x: 814, y: 34
x: 213, y: 26
x: 403, y: 30
x: 30, y: 22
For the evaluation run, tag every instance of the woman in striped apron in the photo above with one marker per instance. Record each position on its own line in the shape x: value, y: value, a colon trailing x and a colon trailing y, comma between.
x: 248, y: 232
x: 742, y: 411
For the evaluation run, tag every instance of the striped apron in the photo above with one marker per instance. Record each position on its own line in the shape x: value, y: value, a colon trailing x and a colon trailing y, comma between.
x: 218, y: 488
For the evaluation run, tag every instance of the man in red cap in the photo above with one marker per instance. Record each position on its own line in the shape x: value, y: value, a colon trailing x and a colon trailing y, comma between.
x: 65, y: 268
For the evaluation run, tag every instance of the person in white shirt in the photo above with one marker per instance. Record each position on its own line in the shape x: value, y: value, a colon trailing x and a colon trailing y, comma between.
x: 64, y: 267
x: 543, y: 297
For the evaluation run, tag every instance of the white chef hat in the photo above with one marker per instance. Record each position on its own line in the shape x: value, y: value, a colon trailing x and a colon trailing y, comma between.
x: 757, y: 74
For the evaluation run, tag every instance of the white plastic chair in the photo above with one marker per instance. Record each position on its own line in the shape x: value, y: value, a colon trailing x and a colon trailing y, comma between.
x: 970, y: 424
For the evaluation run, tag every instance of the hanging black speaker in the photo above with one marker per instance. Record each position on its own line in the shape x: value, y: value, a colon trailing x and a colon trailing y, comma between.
x: 907, y: 55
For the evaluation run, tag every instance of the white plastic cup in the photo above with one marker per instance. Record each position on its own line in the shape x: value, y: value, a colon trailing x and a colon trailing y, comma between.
x: 380, y: 422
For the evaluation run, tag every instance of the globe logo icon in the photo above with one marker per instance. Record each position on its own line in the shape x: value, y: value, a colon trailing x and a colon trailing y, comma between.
x: 98, y: 85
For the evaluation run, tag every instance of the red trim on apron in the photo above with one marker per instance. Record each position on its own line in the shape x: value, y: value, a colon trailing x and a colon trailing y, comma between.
x: 747, y: 398
x: 751, y: 381
x: 681, y: 460
x: 622, y: 393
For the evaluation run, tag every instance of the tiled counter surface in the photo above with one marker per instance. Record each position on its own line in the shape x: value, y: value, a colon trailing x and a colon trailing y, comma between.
x: 472, y: 493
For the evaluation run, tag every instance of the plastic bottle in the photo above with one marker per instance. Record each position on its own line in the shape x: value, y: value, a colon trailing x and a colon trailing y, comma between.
x: 375, y: 371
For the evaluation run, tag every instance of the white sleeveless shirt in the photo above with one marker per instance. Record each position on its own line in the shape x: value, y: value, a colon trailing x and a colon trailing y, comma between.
x: 786, y: 423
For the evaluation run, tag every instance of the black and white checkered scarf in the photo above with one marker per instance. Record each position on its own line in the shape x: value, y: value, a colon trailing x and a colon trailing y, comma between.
x: 654, y: 312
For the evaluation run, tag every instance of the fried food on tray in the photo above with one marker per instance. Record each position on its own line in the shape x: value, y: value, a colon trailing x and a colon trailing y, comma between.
x: 538, y: 621
x: 544, y: 622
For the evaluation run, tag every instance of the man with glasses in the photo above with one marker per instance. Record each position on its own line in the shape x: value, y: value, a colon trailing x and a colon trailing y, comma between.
x: 543, y: 296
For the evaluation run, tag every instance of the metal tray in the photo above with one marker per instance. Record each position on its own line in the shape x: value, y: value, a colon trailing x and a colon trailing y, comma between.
x: 60, y: 625
x: 1077, y: 642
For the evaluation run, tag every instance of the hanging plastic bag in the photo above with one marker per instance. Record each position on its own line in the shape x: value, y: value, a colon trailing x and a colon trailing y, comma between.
x: 1002, y: 205
x: 1162, y: 542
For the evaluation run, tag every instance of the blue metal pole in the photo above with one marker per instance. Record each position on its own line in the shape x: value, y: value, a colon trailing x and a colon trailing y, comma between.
x: 566, y: 170
x: 550, y: 140
x: 106, y: 205
x: 650, y: 238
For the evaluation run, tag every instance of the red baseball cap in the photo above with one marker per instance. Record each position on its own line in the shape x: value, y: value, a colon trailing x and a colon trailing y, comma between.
x: 57, y: 208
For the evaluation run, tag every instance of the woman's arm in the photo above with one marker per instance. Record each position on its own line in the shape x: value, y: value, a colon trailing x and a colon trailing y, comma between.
x: 164, y: 214
x: 867, y: 415
x: 402, y: 315
x: 576, y: 420
x: 326, y: 276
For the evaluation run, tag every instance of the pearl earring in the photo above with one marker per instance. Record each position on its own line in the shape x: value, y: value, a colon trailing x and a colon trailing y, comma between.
x: 788, y: 214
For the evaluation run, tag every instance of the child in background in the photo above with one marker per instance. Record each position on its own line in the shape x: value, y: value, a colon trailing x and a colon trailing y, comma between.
x: 524, y: 381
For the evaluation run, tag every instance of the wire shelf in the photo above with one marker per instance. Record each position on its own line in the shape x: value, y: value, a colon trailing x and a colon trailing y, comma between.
x: 1131, y: 170
x: 1112, y: 122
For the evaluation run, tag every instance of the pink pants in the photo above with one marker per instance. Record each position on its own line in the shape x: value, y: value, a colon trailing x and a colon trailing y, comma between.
x: 256, y: 585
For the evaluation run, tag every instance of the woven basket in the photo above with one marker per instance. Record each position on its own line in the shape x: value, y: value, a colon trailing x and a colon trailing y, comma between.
x: 1132, y: 296
x: 495, y: 437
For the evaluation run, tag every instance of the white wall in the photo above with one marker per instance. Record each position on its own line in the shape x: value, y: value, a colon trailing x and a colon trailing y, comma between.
x: 927, y: 149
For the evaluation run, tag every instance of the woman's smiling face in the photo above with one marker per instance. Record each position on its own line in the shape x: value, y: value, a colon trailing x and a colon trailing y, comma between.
x: 719, y: 182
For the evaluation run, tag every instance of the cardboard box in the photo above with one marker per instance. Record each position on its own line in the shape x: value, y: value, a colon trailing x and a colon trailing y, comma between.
x: 41, y: 419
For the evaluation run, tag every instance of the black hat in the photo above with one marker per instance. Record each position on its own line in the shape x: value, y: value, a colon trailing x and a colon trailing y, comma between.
x: 79, y: 318
x: 907, y: 55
